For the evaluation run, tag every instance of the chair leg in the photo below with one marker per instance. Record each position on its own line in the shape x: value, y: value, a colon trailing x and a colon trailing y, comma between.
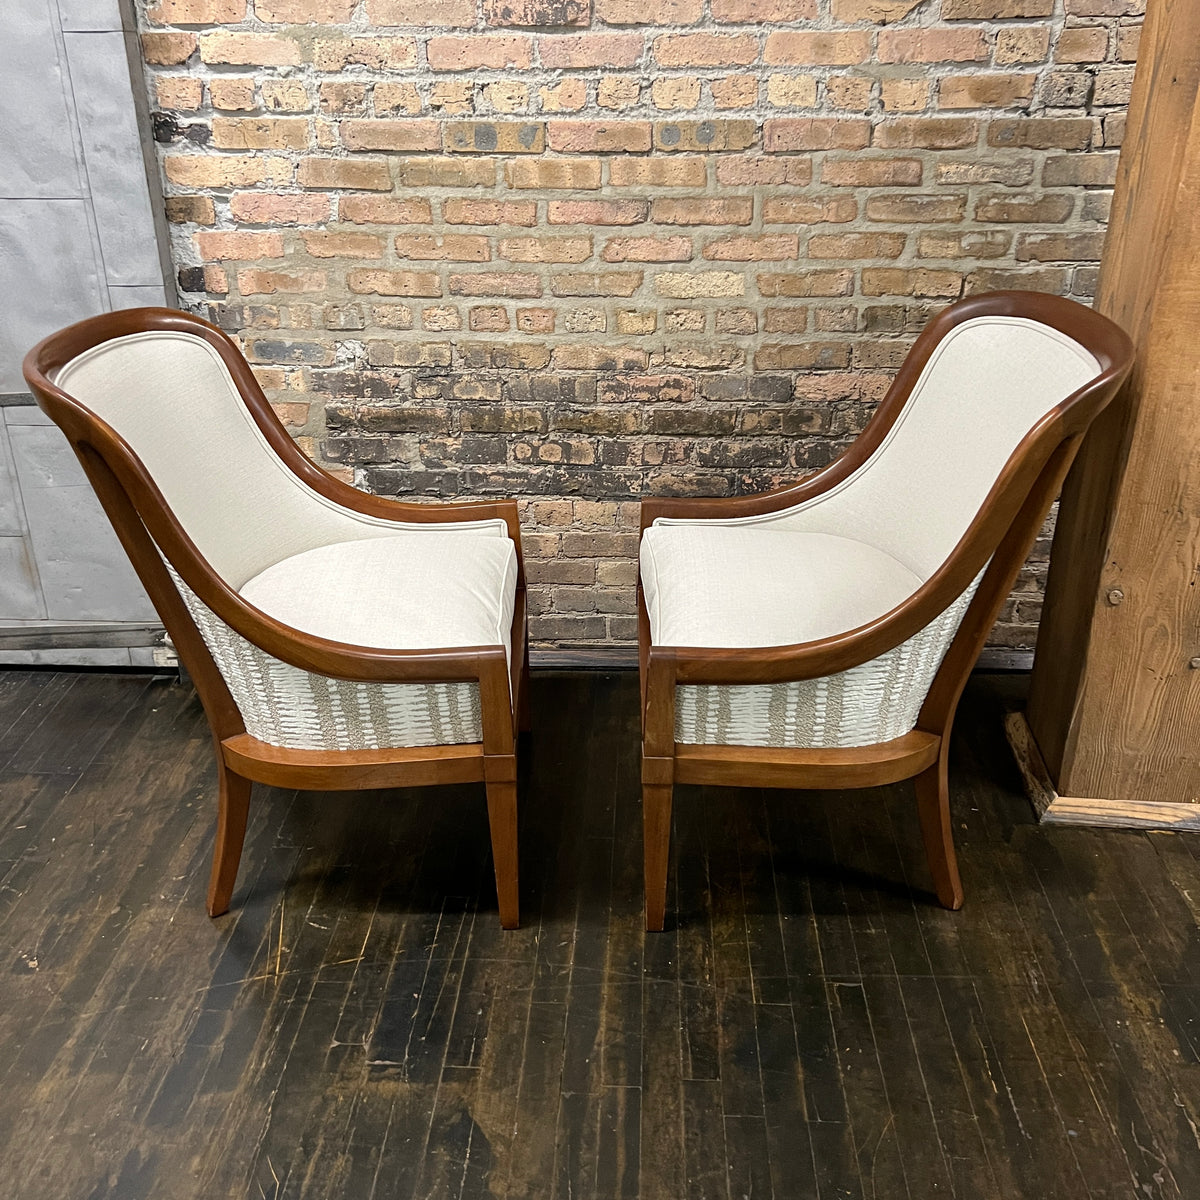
x: 656, y: 845
x: 502, y: 819
x: 933, y: 805
x: 234, y: 807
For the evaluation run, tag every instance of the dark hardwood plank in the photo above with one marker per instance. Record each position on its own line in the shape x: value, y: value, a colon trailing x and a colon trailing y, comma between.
x: 810, y: 1025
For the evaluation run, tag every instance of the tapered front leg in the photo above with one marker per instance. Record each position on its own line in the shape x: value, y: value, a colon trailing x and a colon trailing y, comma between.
x: 933, y: 805
x: 502, y: 819
x: 656, y: 837
x: 233, y: 809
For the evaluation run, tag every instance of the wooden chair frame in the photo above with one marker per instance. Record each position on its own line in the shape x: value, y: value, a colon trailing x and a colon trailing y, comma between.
x: 1003, y: 531
x: 143, y: 522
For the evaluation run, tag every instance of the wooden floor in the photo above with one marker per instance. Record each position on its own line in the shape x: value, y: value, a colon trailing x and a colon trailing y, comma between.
x: 359, y: 1026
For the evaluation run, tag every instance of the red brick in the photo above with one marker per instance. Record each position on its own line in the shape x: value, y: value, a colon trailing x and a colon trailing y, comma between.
x: 495, y: 283
x: 781, y: 134
x: 808, y: 210
x: 488, y: 318
x: 535, y: 320
x: 249, y: 49
x: 805, y: 356
x: 450, y: 247
x: 168, y: 49
x: 377, y: 53
x: 445, y: 172
x: 991, y: 10
x: 226, y: 170
x: 562, y: 174
x: 856, y: 245
x: 770, y: 247
x: 275, y: 208
x: 1082, y: 44
x: 599, y: 358
x: 260, y: 133
x: 391, y: 135
x: 1058, y: 247
x: 871, y: 172
x: 536, y: 13
x: 751, y: 172
x: 596, y: 283
x: 489, y: 212
x: 985, y: 91
x: 370, y: 175
x: 592, y: 50
x: 945, y: 243
x: 494, y: 137
x: 265, y: 283
x: 704, y: 136
x: 596, y: 212
x: 647, y: 249
x: 916, y: 210
x: 1042, y: 133
x: 197, y: 12
x: 495, y: 51
x: 384, y: 210
x: 847, y: 48
x: 930, y: 133
x: 1080, y: 170
x: 895, y: 281
x: 705, y: 49
x: 372, y: 281
x: 423, y: 14
x: 1006, y: 208
x: 546, y: 249
x: 703, y: 210
x: 178, y: 93
x: 755, y: 12
x: 598, y: 136
x: 241, y: 246
x: 635, y: 12
x: 932, y: 45
x: 343, y: 245
x: 193, y: 210
x: 657, y: 172
x: 305, y: 12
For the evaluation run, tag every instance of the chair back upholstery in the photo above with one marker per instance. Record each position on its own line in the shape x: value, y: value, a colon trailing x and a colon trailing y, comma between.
x: 988, y: 382
x: 170, y: 396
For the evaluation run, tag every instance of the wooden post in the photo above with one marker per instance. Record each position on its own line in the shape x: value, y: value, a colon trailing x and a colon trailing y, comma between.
x: 1114, y: 711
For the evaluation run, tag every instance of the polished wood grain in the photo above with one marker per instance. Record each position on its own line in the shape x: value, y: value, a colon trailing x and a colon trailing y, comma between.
x: 809, y: 1026
x: 996, y: 543
x: 146, y: 526
x: 1115, y: 705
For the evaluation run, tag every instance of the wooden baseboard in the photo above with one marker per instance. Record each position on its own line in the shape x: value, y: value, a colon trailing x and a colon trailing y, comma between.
x: 1053, y: 809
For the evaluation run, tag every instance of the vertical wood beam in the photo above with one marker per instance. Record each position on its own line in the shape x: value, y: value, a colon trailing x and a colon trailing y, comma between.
x: 1115, y: 700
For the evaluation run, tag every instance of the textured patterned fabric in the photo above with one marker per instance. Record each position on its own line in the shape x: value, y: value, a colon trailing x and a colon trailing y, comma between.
x: 285, y: 706
x: 874, y: 702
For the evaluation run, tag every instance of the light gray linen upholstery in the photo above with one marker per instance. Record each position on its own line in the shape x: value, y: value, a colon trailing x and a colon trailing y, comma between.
x: 299, y: 557
x: 757, y: 581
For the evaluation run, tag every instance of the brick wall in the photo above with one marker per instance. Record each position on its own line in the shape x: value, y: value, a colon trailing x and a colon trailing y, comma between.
x: 578, y: 254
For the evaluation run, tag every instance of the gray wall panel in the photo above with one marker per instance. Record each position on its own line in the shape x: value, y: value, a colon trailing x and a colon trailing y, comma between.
x: 112, y: 154
x: 49, y: 273
x: 37, y: 137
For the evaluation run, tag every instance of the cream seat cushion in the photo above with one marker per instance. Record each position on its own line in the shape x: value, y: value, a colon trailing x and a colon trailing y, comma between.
x: 414, y: 591
x: 726, y: 586
x: 717, y: 586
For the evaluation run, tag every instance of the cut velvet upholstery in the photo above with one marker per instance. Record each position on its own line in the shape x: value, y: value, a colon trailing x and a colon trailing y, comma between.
x: 855, y: 552
x: 299, y: 557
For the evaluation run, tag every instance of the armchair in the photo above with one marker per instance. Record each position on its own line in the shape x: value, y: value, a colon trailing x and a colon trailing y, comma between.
x: 820, y: 635
x: 337, y: 640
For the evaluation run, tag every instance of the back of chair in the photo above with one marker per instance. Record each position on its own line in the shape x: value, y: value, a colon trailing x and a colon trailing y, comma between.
x: 988, y: 382
x: 170, y: 396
